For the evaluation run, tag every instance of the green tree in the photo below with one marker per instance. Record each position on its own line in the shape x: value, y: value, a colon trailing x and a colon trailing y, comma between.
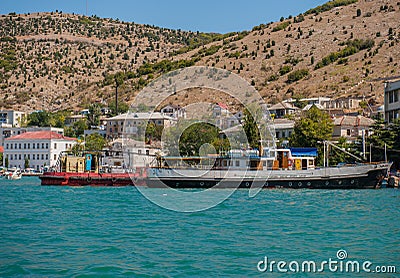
x: 251, y: 129
x: 93, y: 117
x: 123, y: 107
x: 78, y: 128
x: 6, y: 162
x: 313, y: 127
x: 40, y: 118
x: 382, y: 135
x: 26, y: 162
x: 221, y: 144
x: 77, y: 148
x: 195, y: 136
x: 58, y: 119
x: 154, y: 132
x: 1, y: 159
x: 95, y: 142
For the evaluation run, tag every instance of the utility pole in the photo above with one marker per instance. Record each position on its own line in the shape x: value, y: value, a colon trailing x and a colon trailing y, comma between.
x: 363, y: 145
x: 116, y: 96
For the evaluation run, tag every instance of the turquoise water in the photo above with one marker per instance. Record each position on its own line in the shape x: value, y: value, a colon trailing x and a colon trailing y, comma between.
x: 91, y: 232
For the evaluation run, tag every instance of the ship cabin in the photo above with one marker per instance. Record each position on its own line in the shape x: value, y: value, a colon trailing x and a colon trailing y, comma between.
x: 271, y: 159
x: 73, y: 164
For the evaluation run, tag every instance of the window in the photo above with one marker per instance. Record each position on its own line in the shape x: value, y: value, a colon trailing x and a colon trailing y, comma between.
x: 24, y: 146
x: 38, y: 145
x: 348, y: 132
x: 42, y: 145
x: 7, y: 146
x: 394, y: 96
x: 237, y: 163
x: 15, y: 146
x: 55, y: 145
x: 20, y: 157
x: 33, y: 145
x: 47, y: 145
x: 33, y: 156
x: 55, y: 157
x: 29, y: 156
x: 29, y: 145
x: 19, y: 146
x: 47, y: 156
x: 147, y: 152
x: 139, y: 151
x: 42, y: 156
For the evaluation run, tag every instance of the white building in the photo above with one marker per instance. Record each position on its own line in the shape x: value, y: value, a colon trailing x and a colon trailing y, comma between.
x: 70, y: 120
x: 135, y: 123
x: 6, y: 132
x: 224, y: 119
x: 352, y: 126
x: 282, y: 109
x: 392, y: 101
x: 129, y: 153
x: 283, y: 128
x: 11, y: 118
x: 174, y: 111
x: 40, y: 148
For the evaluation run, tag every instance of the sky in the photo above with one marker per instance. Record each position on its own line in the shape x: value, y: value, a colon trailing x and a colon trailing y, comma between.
x: 219, y: 16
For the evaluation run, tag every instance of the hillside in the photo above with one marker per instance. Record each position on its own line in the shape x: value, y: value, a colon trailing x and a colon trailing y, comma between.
x: 62, y: 61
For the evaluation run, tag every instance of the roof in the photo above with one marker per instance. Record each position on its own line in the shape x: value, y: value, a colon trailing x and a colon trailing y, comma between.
x: 308, y: 107
x: 283, y: 105
x: 283, y: 123
x: 353, y: 121
x: 223, y: 105
x: 140, y: 116
x: 1, y: 149
x: 40, y: 135
x: 301, y: 152
x: 76, y: 117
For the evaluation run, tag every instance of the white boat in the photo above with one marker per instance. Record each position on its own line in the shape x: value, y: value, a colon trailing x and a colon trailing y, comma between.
x: 277, y: 170
x: 13, y: 174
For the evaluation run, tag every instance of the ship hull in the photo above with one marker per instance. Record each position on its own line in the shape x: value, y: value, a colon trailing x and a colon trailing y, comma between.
x: 90, y: 179
x: 363, y: 177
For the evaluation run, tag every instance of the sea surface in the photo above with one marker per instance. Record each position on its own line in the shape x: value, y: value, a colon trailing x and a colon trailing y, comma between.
x: 107, y: 232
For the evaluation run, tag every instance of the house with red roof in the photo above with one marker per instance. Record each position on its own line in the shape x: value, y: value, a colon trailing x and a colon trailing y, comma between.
x: 39, y: 148
x: 352, y: 127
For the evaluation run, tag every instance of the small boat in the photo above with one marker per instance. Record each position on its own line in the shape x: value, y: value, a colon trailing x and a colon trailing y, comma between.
x: 13, y: 174
x: 85, y: 170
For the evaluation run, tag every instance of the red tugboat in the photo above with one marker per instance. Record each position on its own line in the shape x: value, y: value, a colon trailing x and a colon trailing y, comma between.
x: 85, y: 171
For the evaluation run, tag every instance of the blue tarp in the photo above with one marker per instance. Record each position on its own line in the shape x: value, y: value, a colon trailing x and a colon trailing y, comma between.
x: 303, y: 152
